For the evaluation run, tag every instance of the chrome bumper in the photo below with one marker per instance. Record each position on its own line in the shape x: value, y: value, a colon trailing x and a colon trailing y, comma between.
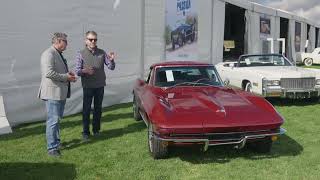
x: 290, y: 93
x: 239, y: 143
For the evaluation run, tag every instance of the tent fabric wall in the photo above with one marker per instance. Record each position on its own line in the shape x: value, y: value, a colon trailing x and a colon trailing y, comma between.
x: 252, y: 32
x: 205, y: 29
x: 312, y: 39
x: 154, y: 43
x: 23, y: 43
x: 218, y: 29
x: 291, y: 37
x: 303, y: 36
x: 254, y: 40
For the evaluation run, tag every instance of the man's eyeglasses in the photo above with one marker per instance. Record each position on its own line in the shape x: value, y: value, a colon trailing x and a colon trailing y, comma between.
x: 64, y: 41
x: 92, y: 40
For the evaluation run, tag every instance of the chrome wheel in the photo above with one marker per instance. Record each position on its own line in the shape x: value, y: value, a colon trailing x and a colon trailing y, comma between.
x: 308, y: 61
x: 150, y: 138
x: 248, y: 87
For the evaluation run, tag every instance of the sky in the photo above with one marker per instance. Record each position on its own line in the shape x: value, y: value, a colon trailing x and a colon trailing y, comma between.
x: 309, y: 9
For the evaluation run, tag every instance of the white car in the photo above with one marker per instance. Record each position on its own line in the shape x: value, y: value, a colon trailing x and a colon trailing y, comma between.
x: 271, y: 75
x: 310, y: 58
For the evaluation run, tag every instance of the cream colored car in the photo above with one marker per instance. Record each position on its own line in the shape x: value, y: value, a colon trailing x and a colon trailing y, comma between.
x: 310, y: 58
x: 271, y: 75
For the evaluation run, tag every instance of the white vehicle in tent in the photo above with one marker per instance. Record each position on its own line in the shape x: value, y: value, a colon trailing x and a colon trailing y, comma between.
x: 271, y: 75
x: 310, y: 58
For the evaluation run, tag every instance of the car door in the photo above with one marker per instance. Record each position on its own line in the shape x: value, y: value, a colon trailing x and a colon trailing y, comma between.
x: 143, y: 92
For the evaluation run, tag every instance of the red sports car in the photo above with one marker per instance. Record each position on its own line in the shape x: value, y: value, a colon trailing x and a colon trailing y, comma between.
x: 187, y: 103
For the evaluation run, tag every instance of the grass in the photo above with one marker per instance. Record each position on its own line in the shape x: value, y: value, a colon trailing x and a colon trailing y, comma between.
x: 121, y: 152
x: 315, y: 66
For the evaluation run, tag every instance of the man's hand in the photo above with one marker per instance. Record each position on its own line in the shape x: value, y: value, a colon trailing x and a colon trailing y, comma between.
x: 88, y: 70
x: 71, y: 77
x: 111, y: 56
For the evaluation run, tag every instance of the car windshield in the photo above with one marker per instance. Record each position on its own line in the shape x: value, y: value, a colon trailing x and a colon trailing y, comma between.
x: 187, y: 76
x: 263, y: 60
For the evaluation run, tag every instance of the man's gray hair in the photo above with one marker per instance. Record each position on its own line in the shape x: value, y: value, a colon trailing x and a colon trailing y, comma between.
x: 57, y: 36
x: 91, y: 32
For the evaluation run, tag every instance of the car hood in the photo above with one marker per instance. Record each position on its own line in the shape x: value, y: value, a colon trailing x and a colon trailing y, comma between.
x: 217, y: 109
x: 277, y: 72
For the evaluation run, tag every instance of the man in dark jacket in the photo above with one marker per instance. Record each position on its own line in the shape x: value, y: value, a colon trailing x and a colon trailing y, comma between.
x: 90, y: 63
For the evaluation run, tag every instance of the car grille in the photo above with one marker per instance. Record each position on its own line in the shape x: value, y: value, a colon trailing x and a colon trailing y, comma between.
x: 298, y: 83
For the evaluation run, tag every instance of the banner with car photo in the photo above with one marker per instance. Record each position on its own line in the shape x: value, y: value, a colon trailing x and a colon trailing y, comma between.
x: 297, y: 37
x: 265, y: 32
x: 181, y: 30
x: 265, y: 27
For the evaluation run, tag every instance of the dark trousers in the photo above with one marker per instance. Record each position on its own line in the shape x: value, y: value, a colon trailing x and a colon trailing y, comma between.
x: 97, y: 95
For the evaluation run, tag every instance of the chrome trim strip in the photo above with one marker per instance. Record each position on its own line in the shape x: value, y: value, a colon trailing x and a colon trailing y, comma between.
x: 240, y: 144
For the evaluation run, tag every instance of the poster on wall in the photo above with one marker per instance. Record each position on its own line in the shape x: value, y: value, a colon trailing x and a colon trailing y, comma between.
x: 181, y: 30
x: 265, y: 27
x: 297, y: 37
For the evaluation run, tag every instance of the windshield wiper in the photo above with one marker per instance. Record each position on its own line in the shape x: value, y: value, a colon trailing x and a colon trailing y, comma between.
x: 178, y: 84
x: 188, y: 83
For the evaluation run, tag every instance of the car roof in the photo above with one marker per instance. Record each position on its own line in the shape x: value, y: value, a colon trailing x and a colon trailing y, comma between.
x: 179, y: 63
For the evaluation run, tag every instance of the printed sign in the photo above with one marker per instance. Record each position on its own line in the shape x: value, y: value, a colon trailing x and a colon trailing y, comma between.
x: 181, y: 30
x: 265, y: 26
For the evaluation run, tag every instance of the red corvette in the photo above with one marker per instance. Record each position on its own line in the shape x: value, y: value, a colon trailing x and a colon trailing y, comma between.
x: 187, y: 103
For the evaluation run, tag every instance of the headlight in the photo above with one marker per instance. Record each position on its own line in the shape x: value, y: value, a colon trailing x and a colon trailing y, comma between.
x: 272, y: 83
x: 318, y: 82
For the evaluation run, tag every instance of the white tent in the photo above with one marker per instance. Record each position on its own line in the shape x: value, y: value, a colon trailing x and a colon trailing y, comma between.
x: 133, y: 29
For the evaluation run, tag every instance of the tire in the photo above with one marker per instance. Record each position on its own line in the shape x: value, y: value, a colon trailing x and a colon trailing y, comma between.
x: 135, y: 109
x: 261, y: 146
x: 192, y: 37
x: 308, y: 61
x: 157, y: 148
x: 248, y: 87
x: 180, y: 41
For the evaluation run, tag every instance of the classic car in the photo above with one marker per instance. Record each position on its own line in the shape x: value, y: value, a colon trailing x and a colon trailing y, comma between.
x: 186, y: 103
x: 309, y: 58
x: 182, y: 35
x: 271, y: 75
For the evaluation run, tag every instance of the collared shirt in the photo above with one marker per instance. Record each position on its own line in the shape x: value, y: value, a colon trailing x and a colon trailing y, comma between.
x: 79, y: 63
x: 65, y: 63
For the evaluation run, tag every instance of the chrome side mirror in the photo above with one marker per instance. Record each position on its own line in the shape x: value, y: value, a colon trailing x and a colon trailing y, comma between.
x: 226, y: 82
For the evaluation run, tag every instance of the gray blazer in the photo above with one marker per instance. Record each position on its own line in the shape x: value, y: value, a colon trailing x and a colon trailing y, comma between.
x: 54, y: 75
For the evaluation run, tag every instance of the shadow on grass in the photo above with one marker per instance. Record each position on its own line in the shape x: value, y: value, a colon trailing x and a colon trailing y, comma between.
x: 43, y: 171
x: 293, y: 102
x: 104, y: 135
x: 23, y: 131
x: 285, y: 146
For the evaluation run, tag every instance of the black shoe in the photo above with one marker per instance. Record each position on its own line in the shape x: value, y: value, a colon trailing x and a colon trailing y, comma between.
x: 96, y: 134
x: 54, y: 153
x: 85, y: 137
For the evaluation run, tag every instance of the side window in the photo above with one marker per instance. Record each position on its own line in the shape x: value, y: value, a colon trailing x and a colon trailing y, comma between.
x: 149, y: 76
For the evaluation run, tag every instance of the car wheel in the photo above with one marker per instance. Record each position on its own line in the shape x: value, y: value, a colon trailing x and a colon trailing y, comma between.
x: 261, y: 146
x: 308, y: 61
x: 135, y: 109
x: 180, y: 41
x: 248, y: 87
x: 192, y: 37
x: 157, y: 148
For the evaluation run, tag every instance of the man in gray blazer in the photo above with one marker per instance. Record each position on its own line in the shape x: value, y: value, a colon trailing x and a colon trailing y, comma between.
x: 55, y: 88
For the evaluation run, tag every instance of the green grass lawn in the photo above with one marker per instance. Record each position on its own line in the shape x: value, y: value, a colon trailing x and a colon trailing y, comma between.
x: 121, y: 152
x: 315, y: 66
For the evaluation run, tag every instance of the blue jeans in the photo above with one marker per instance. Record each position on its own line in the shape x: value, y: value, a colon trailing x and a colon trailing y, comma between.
x: 89, y: 94
x: 55, y: 110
